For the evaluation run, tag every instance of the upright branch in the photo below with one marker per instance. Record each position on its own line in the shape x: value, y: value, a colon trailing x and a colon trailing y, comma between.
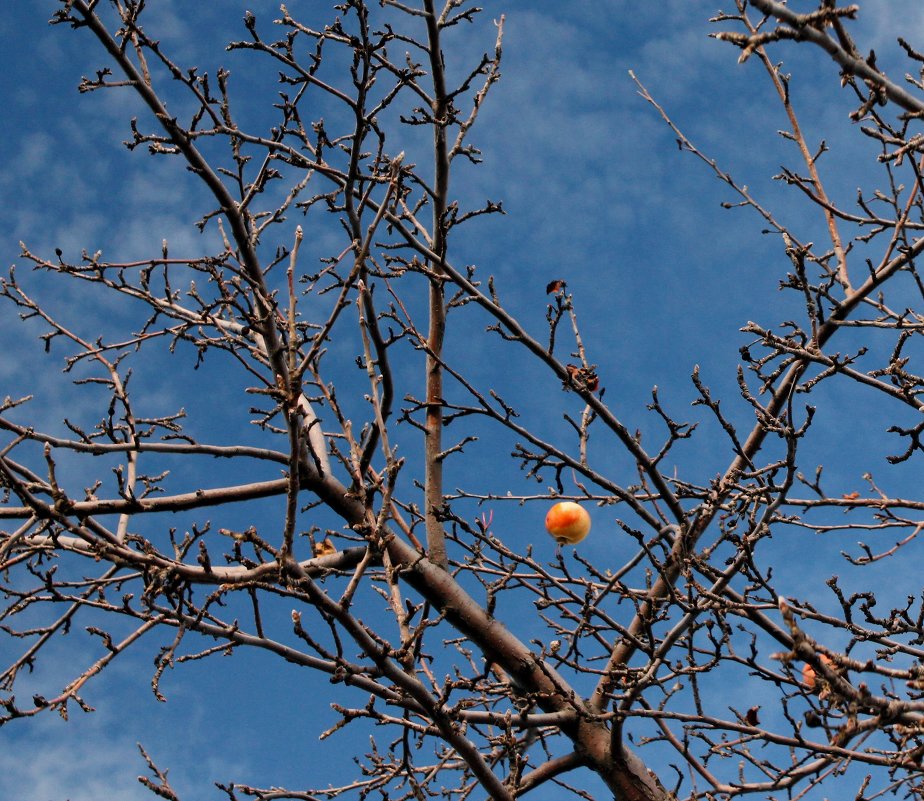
x: 433, y: 429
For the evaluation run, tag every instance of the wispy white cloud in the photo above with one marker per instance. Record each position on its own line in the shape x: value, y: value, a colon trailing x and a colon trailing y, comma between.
x: 79, y: 768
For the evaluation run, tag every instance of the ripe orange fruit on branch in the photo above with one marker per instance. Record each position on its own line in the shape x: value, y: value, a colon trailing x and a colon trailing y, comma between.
x: 568, y: 522
x: 809, y: 677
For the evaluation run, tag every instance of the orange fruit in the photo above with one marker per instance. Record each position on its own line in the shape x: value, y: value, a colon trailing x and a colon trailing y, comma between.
x: 567, y: 522
x: 809, y: 676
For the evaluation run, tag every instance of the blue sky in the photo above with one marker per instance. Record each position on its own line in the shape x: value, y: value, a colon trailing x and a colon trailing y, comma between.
x: 595, y: 192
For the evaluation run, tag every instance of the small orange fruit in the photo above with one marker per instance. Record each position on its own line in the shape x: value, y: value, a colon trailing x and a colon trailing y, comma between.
x: 568, y: 522
x: 809, y: 676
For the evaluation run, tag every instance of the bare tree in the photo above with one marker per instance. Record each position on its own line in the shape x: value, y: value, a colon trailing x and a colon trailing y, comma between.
x: 332, y: 463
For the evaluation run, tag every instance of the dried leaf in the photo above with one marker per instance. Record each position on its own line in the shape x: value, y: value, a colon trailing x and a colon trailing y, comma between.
x: 324, y: 548
x: 557, y: 285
